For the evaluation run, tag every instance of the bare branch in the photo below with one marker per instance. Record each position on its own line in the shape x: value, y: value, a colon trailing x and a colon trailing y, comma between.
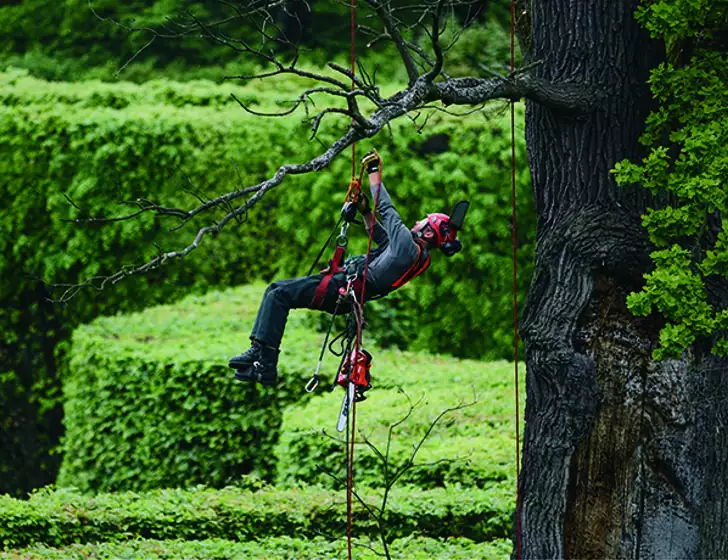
x: 435, y: 37
x: 563, y: 96
x: 358, y: 497
x: 296, y: 104
x: 423, y: 92
x: 383, y: 11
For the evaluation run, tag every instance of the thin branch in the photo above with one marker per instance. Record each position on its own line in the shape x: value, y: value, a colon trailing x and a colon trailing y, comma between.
x: 356, y: 494
x: 435, y: 38
x: 383, y: 11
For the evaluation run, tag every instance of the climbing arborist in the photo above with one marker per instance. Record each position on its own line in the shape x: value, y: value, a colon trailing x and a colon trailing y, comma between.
x: 401, y: 254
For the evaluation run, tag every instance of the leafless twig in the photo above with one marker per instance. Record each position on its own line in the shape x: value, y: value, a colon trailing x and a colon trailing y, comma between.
x: 392, y: 474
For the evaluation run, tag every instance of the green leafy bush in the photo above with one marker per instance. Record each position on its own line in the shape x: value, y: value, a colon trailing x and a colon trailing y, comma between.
x: 472, y: 447
x: 150, y: 402
x: 276, y: 548
x: 56, y: 518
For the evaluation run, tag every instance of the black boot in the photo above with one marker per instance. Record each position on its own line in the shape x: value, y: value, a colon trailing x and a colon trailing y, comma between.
x: 263, y: 370
x: 247, y: 358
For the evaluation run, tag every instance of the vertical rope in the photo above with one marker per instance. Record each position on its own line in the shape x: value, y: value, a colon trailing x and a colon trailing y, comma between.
x: 350, y: 474
x: 353, y: 70
x: 350, y: 438
x: 515, y: 289
x: 350, y: 479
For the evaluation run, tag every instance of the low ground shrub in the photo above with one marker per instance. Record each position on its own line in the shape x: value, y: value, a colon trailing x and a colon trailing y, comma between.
x: 276, y: 548
x: 58, y: 518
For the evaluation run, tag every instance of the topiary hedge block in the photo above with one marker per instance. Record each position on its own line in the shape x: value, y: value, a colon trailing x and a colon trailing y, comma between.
x: 473, y: 446
x: 151, y: 403
x: 63, y: 517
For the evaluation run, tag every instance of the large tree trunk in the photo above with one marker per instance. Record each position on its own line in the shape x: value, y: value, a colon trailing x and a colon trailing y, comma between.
x: 624, y: 456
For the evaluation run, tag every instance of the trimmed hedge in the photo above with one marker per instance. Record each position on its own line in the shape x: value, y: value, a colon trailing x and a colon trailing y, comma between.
x: 277, y: 548
x: 18, y: 88
x: 63, y: 517
x: 150, y: 401
x: 472, y: 447
x: 181, y: 420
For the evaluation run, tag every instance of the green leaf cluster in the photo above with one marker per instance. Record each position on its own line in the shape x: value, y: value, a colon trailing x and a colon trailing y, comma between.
x: 62, y: 517
x: 687, y: 165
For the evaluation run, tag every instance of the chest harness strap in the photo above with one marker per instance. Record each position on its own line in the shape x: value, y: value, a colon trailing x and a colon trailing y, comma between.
x: 336, y: 265
x: 417, y: 268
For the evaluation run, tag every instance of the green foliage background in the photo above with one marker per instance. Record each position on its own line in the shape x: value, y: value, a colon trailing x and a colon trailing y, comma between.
x: 100, y: 145
x: 688, y: 161
x: 70, y: 40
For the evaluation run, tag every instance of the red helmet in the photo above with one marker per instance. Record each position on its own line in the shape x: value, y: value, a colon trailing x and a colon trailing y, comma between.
x: 440, y: 223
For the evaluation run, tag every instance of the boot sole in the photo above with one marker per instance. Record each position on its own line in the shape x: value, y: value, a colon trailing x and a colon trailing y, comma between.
x: 239, y: 365
x: 246, y: 375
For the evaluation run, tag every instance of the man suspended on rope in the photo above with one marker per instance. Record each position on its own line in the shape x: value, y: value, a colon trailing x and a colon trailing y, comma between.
x: 401, y: 255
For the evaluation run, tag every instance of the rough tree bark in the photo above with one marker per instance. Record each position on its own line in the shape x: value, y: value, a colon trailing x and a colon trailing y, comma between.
x: 624, y: 456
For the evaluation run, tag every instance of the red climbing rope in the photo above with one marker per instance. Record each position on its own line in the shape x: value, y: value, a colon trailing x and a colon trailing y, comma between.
x: 351, y: 434
x: 353, y: 70
x: 515, y: 290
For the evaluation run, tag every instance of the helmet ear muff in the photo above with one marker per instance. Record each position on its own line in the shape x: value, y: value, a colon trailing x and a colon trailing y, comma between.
x: 451, y: 247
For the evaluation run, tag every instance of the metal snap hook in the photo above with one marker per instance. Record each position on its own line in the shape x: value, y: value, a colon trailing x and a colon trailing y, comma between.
x: 312, y: 384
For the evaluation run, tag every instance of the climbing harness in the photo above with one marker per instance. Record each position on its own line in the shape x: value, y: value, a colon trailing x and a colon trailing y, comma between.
x: 335, y: 267
x: 353, y: 294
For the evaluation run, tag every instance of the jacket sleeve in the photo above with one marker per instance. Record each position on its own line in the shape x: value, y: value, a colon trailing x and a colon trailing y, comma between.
x: 380, y: 236
x: 399, y: 235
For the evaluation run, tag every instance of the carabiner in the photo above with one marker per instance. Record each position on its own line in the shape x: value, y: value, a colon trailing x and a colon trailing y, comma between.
x: 312, y: 384
x: 314, y: 381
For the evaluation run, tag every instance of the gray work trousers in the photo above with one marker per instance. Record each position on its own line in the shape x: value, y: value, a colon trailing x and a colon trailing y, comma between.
x: 281, y: 297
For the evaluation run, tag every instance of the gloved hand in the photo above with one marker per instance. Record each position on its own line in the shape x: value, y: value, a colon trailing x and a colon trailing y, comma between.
x: 372, y: 161
x: 362, y: 204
